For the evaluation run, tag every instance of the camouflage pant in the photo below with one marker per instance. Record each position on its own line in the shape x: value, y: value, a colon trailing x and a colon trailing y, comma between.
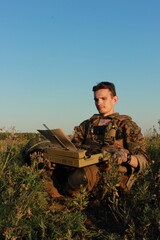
x: 56, y: 187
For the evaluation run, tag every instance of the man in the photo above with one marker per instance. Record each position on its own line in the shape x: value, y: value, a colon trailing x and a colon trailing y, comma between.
x: 111, y: 132
x: 106, y: 132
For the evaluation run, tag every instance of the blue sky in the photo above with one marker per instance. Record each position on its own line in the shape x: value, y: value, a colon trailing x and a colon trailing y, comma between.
x: 52, y: 52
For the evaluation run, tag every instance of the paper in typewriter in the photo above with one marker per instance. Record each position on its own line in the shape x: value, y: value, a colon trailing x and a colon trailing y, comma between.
x: 58, y: 138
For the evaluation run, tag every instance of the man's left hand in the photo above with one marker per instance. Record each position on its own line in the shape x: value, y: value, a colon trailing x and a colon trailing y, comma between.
x: 120, y: 155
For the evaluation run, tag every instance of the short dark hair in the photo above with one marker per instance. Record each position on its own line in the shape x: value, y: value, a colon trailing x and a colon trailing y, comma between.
x: 105, y: 85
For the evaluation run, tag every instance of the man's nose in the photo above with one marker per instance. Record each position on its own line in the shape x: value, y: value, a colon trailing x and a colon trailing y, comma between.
x: 98, y: 102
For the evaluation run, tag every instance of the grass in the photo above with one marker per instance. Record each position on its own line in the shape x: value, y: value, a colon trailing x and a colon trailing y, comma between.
x: 28, y: 213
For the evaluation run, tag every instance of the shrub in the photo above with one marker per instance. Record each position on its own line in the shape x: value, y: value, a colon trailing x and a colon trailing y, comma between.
x: 28, y: 213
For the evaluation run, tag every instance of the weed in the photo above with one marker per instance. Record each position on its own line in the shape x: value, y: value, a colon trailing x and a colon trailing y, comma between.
x: 27, y: 213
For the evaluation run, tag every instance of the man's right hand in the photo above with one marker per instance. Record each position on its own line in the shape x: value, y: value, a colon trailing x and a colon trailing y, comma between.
x: 92, y: 151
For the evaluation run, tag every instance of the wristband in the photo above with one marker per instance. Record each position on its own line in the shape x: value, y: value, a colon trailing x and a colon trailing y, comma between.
x: 128, y: 158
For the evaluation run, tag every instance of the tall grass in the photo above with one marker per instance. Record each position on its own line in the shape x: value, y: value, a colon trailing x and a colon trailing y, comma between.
x: 27, y: 212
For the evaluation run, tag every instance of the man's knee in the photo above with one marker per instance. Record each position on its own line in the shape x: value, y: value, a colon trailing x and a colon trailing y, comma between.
x: 77, y: 179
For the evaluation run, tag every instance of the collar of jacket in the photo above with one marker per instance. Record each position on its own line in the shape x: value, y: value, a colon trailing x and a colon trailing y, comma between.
x: 110, y: 116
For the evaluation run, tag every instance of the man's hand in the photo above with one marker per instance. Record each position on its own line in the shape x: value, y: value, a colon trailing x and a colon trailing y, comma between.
x: 120, y: 155
x: 92, y: 151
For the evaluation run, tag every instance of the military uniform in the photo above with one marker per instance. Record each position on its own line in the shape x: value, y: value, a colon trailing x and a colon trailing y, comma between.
x: 114, y: 132
x: 117, y: 132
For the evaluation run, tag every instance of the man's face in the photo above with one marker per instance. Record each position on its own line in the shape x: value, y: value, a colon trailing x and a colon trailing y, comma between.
x: 104, y: 101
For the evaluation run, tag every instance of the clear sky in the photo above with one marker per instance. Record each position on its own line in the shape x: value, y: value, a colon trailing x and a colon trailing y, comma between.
x: 52, y: 52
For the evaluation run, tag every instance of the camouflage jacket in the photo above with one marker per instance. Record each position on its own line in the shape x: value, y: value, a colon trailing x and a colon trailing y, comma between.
x: 113, y: 131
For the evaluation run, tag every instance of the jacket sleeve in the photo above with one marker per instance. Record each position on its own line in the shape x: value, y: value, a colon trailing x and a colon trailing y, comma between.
x: 79, y: 134
x: 135, y: 143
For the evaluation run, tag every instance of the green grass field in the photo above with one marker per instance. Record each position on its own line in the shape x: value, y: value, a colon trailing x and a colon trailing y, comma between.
x: 26, y: 212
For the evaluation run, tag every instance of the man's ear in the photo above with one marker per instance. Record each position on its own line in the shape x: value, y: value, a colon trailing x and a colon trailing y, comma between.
x: 115, y: 99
